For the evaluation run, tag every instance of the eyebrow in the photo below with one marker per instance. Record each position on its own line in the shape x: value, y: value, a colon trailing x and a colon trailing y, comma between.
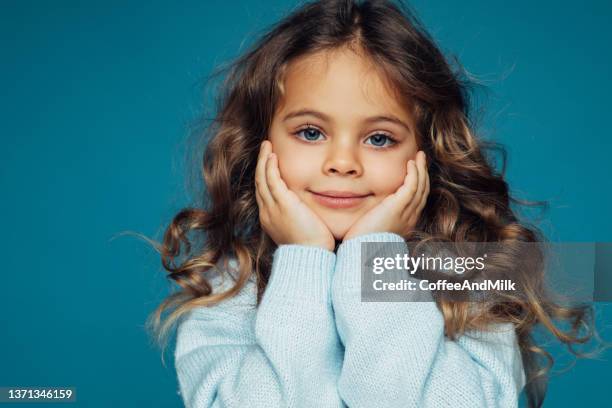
x: 324, y: 117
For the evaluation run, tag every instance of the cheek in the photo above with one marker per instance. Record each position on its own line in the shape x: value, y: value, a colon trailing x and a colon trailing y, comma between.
x: 295, y: 173
x: 291, y: 171
x: 385, y: 177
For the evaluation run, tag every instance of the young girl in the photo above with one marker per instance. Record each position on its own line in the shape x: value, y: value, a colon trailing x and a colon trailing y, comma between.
x: 345, y: 124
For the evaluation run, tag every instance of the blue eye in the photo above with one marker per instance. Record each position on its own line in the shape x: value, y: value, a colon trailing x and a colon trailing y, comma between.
x: 311, y: 134
x: 381, y: 138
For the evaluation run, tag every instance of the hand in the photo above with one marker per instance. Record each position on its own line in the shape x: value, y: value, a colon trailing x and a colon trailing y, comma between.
x: 283, y: 216
x: 400, y: 211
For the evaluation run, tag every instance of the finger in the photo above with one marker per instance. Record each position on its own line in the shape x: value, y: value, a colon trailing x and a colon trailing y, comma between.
x: 428, y: 190
x: 260, y: 203
x: 416, y: 197
x: 271, y: 179
x: 421, y: 171
x: 263, y: 209
x: 426, y: 173
x: 260, y: 174
x: 422, y: 174
x: 278, y: 187
x: 405, y: 194
x: 425, y: 193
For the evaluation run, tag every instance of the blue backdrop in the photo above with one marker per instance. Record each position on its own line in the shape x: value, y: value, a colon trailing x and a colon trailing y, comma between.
x: 96, y: 101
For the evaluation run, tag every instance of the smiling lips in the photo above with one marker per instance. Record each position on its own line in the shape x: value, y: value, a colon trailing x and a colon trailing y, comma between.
x: 339, y: 199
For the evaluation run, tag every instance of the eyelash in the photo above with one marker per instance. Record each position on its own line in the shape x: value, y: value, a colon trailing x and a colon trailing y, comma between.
x: 309, y: 127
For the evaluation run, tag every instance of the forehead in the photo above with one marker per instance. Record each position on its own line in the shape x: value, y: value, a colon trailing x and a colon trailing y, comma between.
x: 339, y: 81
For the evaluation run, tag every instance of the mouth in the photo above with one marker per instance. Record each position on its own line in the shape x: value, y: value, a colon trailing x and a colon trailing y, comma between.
x: 339, y: 199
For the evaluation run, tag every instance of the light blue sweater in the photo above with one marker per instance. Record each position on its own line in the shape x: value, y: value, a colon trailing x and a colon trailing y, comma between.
x: 312, y: 342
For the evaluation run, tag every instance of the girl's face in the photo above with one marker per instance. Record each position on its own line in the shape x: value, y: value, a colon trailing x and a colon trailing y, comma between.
x: 339, y: 128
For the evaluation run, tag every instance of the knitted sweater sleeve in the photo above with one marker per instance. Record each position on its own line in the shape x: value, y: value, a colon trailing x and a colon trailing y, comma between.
x: 396, y: 354
x: 285, y: 352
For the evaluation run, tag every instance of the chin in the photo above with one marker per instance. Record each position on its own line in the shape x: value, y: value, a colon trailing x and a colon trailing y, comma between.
x: 339, y: 235
x: 338, y: 222
x: 338, y: 231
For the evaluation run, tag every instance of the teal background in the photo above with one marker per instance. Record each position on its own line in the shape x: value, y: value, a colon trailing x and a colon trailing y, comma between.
x: 96, y: 99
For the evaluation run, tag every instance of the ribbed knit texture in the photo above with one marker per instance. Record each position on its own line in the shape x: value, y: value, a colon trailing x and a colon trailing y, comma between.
x: 313, y: 343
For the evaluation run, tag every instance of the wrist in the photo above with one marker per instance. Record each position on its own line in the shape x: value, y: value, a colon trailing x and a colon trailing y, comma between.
x: 322, y: 245
x: 374, y: 236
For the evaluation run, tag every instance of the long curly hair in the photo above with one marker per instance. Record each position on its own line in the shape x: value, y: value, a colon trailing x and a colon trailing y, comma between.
x: 469, y: 199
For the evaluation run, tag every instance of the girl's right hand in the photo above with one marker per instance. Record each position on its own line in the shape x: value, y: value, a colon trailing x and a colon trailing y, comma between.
x: 283, y: 216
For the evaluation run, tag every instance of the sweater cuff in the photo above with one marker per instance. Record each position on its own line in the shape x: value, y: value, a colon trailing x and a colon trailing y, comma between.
x: 302, y: 271
x: 349, y: 258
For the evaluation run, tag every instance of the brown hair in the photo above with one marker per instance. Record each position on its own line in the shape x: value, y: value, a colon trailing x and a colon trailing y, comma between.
x: 468, y: 199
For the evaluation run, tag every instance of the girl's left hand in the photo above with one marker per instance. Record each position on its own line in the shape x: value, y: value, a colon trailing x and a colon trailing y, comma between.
x: 400, y: 211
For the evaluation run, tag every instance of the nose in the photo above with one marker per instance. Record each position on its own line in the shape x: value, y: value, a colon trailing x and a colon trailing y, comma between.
x: 342, y: 159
